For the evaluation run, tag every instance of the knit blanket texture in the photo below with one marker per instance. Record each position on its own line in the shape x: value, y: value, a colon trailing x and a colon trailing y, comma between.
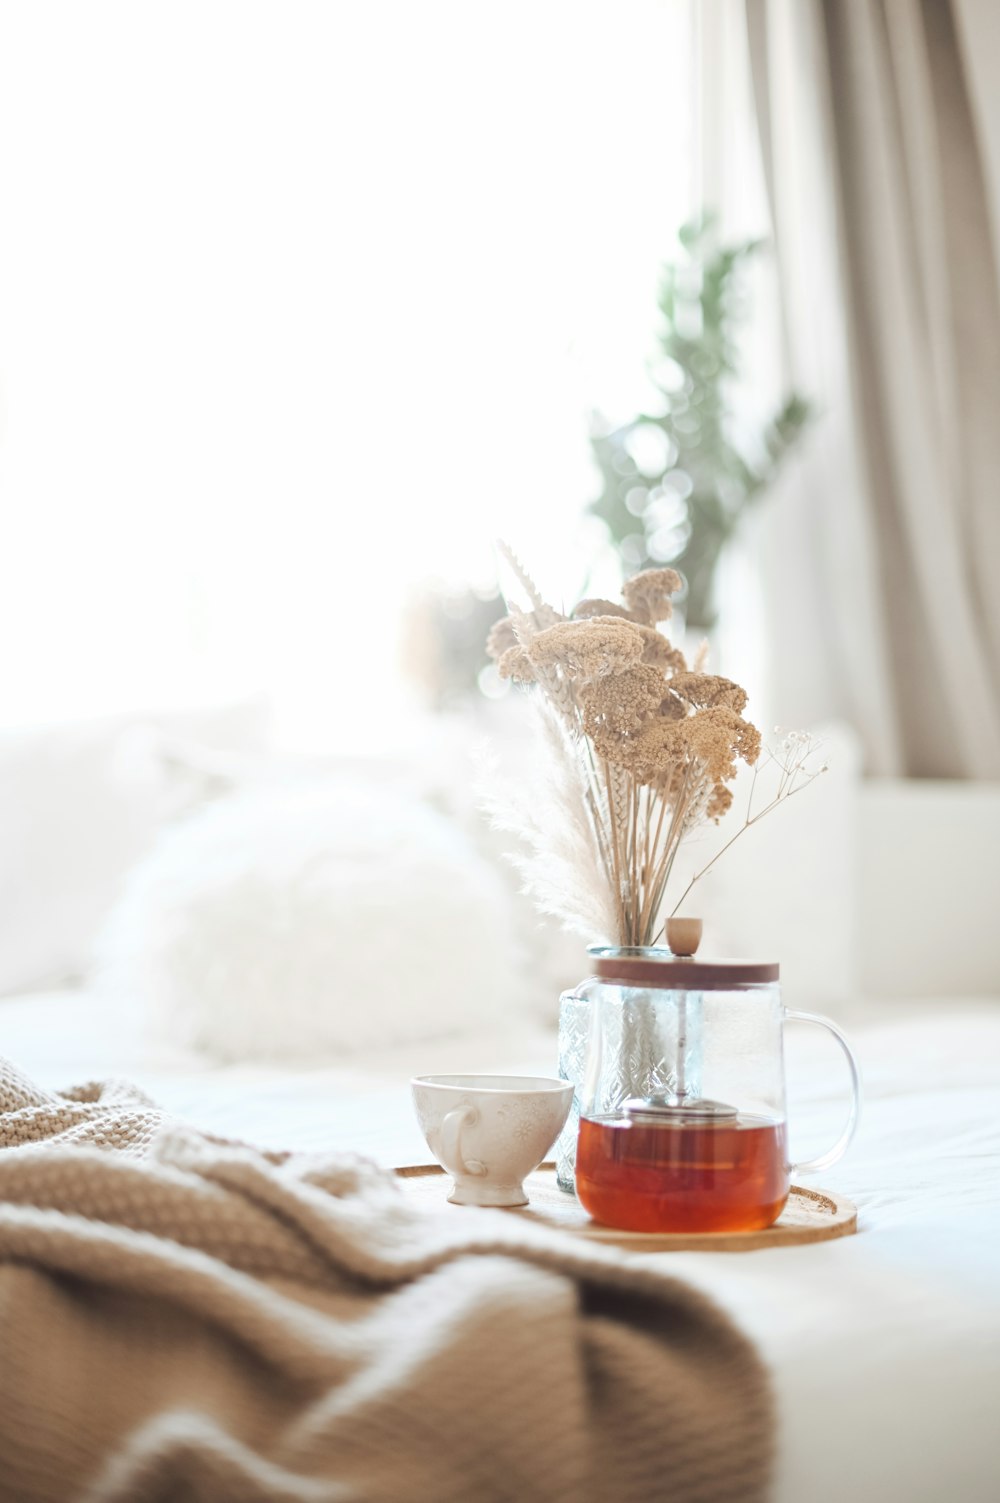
x: 185, y: 1318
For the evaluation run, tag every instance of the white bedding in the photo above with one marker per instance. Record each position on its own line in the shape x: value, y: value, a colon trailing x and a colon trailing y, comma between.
x: 885, y: 1347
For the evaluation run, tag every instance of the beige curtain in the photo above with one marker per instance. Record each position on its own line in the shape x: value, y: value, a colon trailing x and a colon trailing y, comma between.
x: 889, y: 286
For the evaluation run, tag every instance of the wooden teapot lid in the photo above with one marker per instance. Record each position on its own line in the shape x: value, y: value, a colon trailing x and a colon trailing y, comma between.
x: 653, y: 967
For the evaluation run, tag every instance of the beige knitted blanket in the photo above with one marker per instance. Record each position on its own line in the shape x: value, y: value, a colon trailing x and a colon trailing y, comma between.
x: 188, y: 1319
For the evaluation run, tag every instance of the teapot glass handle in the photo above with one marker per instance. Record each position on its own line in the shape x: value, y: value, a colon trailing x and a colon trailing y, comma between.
x: 840, y: 1147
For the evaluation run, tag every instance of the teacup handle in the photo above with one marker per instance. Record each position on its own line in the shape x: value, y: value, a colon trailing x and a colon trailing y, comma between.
x: 451, y: 1146
x: 840, y: 1147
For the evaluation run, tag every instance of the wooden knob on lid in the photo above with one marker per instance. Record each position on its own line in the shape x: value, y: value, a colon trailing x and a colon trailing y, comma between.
x: 683, y: 936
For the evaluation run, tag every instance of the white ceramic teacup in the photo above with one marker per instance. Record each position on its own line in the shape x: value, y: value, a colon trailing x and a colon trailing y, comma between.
x: 490, y: 1131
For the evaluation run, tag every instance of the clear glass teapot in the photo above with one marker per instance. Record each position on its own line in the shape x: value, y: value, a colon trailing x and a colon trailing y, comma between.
x: 679, y: 1119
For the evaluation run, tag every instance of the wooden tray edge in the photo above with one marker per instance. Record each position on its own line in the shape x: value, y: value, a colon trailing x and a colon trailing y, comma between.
x: 842, y: 1222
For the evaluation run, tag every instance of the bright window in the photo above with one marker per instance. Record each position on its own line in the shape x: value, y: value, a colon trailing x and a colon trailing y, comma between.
x: 301, y: 304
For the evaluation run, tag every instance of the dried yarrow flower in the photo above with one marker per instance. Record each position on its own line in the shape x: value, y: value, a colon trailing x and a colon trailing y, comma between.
x: 587, y: 608
x: 719, y: 803
x: 748, y: 742
x: 502, y: 636
x: 585, y: 650
x: 639, y: 754
x: 708, y: 689
x: 672, y: 707
x: 648, y: 593
x: 515, y: 664
x: 651, y: 752
x: 656, y: 648
x: 621, y: 701
x: 660, y: 651
x: 716, y: 737
x: 709, y: 740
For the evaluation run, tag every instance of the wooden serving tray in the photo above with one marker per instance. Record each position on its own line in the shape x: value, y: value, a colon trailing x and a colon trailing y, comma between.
x: 809, y: 1216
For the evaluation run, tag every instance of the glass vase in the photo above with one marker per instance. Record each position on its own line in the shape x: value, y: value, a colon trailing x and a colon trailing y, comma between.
x: 649, y: 1048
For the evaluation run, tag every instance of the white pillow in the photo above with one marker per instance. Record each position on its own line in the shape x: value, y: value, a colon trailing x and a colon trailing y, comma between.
x: 305, y: 921
x: 79, y: 804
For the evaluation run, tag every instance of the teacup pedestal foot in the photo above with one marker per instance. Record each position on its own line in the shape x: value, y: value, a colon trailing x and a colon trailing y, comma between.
x: 474, y: 1192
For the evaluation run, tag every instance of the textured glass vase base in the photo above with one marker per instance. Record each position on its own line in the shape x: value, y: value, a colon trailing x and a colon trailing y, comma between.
x: 647, y: 1043
x: 566, y: 1151
x: 574, y: 1028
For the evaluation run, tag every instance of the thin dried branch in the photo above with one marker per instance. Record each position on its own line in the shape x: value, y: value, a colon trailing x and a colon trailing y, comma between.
x: 793, y: 762
x: 545, y: 615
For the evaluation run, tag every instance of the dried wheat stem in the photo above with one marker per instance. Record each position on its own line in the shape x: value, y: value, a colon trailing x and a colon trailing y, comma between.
x: 672, y: 844
x: 649, y: 907
x: 784, y: 792
x: 544, y: 613
x: 615, y: 849
x: 634, y: 834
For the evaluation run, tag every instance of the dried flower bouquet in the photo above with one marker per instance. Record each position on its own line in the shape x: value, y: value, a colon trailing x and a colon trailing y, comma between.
x: 637, y: 753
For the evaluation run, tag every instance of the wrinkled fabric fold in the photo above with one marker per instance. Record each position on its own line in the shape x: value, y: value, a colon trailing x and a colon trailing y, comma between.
x: 184, y: 1317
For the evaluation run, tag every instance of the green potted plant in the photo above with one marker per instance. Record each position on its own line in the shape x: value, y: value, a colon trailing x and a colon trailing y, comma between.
x: 676, y: 484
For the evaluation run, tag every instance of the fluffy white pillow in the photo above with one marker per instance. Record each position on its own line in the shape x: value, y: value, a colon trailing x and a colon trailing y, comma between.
x: 293, y: 922
x: 79, y: 804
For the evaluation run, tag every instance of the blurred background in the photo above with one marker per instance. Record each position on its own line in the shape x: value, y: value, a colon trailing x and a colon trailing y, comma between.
x: 302, y: 306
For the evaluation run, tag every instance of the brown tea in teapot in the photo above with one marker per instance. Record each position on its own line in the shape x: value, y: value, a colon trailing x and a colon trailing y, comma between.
x: 647, y: 1175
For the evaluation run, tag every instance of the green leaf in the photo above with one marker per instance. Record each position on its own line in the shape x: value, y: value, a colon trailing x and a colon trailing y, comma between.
x: 702, y: 305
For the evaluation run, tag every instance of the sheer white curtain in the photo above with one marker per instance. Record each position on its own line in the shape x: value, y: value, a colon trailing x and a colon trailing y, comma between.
x: 888, y: 282
x: 300, y: 304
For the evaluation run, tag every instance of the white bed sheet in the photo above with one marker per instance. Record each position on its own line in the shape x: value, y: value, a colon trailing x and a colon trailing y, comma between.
x: 885, y: 1347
